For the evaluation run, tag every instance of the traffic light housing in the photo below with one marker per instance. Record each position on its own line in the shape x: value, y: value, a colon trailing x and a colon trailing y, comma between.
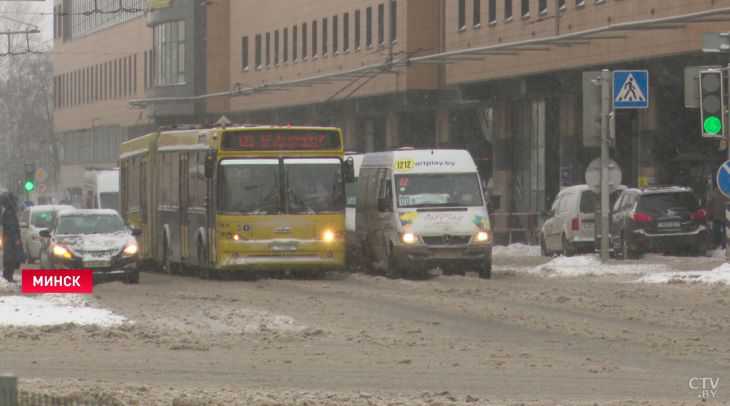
x: 29, y: 181
x: 712, y: 103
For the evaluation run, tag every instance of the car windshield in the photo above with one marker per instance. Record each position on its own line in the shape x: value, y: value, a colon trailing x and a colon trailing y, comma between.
x: 43, y: 219
x: 663, y: 202
x: 89, y: 224
x: 447, y: 190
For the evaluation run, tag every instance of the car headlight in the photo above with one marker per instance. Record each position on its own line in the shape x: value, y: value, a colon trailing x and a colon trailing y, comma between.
x: 61, y: 252
x: 131, y: 249
x: 409, y: 238
x: 482, y: 236
x: 328, y: 236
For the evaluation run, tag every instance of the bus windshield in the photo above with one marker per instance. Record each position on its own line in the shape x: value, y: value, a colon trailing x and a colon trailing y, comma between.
x: 445, y: 190
x: 314, y: 186
x: 250, y: 186
x: 253, y: 186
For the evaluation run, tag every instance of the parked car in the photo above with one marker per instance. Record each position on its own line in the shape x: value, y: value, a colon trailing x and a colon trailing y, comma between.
x: 658, y: 219
x: 569, y: 227
x: 32, y: 221
x: 93, y: 239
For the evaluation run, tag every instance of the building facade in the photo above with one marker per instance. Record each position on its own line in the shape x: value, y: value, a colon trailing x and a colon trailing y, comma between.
x: 391, y: 73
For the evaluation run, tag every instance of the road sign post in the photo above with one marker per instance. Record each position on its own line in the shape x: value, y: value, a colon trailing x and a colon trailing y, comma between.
x: 605, y: 113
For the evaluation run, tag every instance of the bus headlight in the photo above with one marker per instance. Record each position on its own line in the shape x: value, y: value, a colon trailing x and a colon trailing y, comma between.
x: 328, y: 236
x: 409, y: 238
x: 482, y: 236
x: 61, y: 252
x: 131, y: 249
x: 236, y: 237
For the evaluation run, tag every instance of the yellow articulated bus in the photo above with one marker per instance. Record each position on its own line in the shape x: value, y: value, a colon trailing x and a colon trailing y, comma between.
x: 249, y: 198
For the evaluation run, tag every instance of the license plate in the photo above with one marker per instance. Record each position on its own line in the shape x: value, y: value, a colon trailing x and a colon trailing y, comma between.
x: 670, y: 224
x: 284, y: 248
x: 97, y: 264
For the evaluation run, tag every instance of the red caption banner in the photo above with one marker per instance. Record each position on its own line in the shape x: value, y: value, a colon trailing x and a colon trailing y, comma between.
x: 57, y: 281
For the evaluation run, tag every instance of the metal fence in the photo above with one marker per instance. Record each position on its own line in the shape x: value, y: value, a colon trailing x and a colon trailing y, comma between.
x: 10, y: 395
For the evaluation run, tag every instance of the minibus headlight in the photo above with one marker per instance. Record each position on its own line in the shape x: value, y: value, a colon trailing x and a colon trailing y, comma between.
x: 409, y: 238
x: 131, y: 249
x: 482, y: 236
x: 328, y: 236
x: 61, y: 252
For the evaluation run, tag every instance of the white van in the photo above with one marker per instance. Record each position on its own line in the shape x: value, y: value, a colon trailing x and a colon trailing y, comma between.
x: 418, y: 209
x: 101, y: 189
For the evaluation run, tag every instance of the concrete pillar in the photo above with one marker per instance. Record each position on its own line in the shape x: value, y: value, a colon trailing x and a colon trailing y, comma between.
x: 647, y: 133
x: 501, y: 182
x: 8, y: 390
x: 442, y: 127
x: 392, y: 127
x: 569, y: 140
x: 348, y: 121
x: 369, y: 133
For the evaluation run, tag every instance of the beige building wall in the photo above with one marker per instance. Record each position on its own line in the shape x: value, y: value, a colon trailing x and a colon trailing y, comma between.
x: 416, y: 29
x: 130, y: 39
x: 637, y: 44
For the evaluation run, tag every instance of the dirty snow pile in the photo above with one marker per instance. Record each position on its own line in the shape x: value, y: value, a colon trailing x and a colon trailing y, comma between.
x: 49, y: 310
x: 719, y: 275
x: 516, y: 250
x: 588, y: 265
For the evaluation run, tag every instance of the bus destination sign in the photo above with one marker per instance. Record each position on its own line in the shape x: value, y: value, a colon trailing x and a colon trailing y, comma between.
x: 282, y: 140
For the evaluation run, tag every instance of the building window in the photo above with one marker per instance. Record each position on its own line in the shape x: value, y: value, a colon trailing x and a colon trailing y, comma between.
x: 325, y: 38
x: 393, y: 21
x: 561, y: 4
x: 477, y: 17
x: 492, y: 11
x: 276, y: 47
x: 295, y: 43
x: 285, y: 54
x: 346, y: 32
x: 381, y: 24
x: 369, y: 27
x: 257, y: 58
x: 525, y: 8
x: 268, y: 49
x: 244, y: 53
x: 304, y: 41
x: 579, y: 3
x: 543, y: 7
x: 335, y: 34
x: 315, y: 37
x: 169, y: 53
x: 462, y: 14
x: 357, y: 29
x: 507, y: 9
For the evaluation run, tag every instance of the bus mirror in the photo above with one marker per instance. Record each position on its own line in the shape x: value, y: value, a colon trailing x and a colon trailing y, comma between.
x: 349, y: 170
x: 210, y: 160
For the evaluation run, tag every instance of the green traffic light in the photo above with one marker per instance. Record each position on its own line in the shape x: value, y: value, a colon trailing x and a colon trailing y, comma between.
x: 713, y: 125
x: 29, y: 186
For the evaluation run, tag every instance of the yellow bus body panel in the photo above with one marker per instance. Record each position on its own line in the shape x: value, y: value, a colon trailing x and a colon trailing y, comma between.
x: 280, y: 242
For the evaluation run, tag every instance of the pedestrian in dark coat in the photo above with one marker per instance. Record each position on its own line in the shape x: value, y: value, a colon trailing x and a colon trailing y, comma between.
x: 716, y: 208
x: 13, y: 254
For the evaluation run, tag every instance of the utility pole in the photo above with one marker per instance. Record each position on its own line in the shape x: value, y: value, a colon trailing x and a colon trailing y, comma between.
x: 605, y: 117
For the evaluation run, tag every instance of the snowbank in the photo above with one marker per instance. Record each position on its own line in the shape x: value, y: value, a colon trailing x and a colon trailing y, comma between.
x: 516, y: 250
x: 49, y: 310
x: 591, y: 265
x: 720, y: 275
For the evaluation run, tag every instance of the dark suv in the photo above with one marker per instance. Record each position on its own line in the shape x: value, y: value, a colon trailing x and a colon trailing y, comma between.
x: 659, y: 219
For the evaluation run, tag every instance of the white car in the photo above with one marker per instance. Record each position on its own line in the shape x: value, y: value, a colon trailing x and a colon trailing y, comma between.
x: 570, y: 226
x: 32, y: 221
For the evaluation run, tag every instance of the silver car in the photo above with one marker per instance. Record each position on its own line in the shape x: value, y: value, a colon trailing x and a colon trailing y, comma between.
x: 32, y: 222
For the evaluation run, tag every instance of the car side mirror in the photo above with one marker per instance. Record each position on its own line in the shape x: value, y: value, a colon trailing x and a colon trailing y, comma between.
x: 348, y: 170
x: 45, y: 233
x: 23, y: 224
x: 210, y: 161
x: 136, y: 232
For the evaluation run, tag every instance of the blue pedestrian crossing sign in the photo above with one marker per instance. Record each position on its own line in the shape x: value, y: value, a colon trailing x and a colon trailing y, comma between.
x: 630, y: 89
x: 723, y: 179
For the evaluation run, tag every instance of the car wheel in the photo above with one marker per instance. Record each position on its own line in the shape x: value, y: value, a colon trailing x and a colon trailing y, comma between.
x: 626, y: 251
x: 485, y: 271
x: 568, y: 249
